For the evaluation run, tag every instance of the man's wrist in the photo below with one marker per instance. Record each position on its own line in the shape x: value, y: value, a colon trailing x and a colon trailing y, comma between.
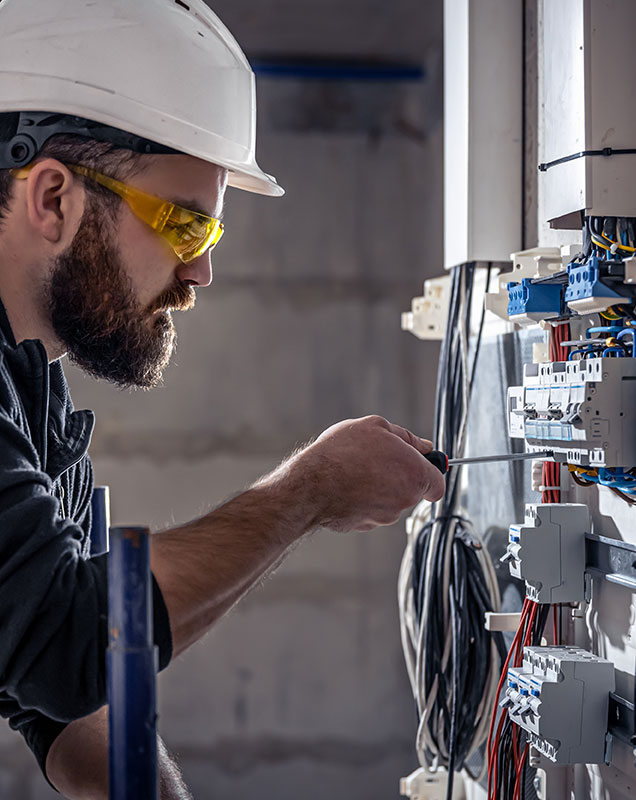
x: 295, y: 490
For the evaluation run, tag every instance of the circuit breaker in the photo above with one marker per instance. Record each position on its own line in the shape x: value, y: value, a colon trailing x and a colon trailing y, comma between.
x: 581, y: 410
x: 548, y: 552
x: 560, y: 696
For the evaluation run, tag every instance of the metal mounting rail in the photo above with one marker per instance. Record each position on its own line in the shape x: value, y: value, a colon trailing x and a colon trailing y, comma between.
x: 620, y: 719
x: 613, y: 559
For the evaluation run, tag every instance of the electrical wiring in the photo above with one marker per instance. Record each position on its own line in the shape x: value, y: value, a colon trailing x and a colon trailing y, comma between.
x: 447, y: 581
x: 621, y: 482
x: 507, y: 747
x: 559, y: 333
x: 506, y: 764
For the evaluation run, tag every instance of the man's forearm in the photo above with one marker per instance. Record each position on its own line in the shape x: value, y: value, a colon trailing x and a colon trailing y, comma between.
x: 77, y: 763
x: 204, y: 567
x: 357, y: 475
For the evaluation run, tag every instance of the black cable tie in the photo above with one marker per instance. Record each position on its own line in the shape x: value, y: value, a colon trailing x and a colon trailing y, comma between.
x: 606, y: 151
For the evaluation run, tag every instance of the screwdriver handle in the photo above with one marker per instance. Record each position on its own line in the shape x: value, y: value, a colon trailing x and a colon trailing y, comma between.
x: 438, y: 459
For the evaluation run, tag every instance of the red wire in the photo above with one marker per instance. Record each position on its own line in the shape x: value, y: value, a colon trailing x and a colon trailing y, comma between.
x: 492, y: 766
x: 528, y: 636
x: 524, y: 632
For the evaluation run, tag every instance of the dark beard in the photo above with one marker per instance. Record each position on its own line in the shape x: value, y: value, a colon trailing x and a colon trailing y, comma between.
x: 95, y: 315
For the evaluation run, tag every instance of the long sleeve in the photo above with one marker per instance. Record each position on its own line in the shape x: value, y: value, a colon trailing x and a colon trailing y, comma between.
x: 53, y: 602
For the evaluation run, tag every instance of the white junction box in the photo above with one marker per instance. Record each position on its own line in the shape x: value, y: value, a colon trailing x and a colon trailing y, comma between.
x: 482, y: 130
x: 429, y: 314
x: 548, y: 552
x: 560, y: 696
x: 587, y: 102
x: 425, y: 785
x: 583, y: 410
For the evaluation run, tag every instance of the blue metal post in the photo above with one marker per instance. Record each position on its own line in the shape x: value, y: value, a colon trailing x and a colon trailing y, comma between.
x: 100, y: 508
x: 132, y: 666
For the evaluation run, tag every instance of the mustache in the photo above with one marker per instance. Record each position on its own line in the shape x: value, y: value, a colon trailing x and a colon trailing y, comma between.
x: 180, y: 297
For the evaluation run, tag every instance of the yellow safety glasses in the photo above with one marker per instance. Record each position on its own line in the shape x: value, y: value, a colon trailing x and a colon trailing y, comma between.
x: 189, y: 233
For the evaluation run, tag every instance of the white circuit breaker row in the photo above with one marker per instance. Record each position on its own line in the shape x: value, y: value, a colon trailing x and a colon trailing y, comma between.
x: 576, y: 408
x: 560, y: 696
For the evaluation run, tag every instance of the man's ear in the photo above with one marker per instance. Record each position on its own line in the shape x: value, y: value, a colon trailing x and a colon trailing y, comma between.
x: 54, y: 201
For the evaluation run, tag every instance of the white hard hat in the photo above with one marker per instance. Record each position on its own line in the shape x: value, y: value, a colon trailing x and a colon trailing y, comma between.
x: 166, y: 71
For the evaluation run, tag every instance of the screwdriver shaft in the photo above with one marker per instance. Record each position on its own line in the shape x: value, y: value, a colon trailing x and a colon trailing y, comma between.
x: 504, y: 457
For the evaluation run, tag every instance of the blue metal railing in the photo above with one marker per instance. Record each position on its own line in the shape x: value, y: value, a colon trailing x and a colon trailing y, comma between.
x: 132, y: 668
x: 131, y: 659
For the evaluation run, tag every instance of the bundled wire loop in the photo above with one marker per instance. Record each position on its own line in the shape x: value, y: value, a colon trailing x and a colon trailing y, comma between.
x: 447, y: 581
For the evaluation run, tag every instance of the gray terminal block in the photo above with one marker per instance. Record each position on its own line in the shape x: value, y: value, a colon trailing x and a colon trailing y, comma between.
x: 560, y: 696
x: 583, y: 410
x: 547, y: 551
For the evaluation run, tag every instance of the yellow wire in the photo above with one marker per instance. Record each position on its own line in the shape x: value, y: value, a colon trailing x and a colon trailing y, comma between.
x: 610, y: 316
x: 612, y: 242
x: 599, y: 244
x: 582, y: 470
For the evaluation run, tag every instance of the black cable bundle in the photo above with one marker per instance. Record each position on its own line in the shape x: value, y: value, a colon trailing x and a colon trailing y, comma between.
x: 447, y: 581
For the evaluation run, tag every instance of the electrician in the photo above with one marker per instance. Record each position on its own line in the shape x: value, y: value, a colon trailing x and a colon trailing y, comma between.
x: 121, y: 124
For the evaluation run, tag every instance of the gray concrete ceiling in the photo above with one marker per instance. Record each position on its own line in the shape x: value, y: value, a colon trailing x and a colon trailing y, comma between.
x: 399, y: 30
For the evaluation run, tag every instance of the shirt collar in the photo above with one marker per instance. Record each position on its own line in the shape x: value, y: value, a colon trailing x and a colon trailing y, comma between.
x: 5, y: 327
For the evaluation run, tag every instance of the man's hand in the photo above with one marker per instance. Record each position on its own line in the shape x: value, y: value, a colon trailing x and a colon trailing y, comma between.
x: 367, y: 472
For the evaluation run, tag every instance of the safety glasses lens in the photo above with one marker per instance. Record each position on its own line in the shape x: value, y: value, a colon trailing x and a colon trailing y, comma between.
x: 193, y: 240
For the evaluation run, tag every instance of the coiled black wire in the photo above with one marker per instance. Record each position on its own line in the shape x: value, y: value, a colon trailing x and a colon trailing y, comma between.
x: 462, y: 677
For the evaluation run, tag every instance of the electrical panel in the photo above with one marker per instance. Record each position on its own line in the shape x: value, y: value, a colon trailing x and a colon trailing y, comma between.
x: 560, y: 696
x: 576, y: 400
x: 580, y: 409
x: 547, y: 551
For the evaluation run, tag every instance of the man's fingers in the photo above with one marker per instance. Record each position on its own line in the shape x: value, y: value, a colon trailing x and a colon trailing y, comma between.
x: 423, y: 446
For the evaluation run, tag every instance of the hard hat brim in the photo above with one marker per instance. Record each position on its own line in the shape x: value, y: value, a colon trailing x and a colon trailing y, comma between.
x: 141, y: 120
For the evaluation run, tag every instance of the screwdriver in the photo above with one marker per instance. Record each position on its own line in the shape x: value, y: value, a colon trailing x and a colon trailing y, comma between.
x: 440, y: 460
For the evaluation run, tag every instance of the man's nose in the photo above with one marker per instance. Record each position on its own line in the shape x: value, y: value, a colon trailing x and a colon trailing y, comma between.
x: 197, y: 272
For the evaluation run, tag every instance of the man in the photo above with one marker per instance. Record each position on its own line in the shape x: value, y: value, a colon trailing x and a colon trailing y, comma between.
x: 114, y: 163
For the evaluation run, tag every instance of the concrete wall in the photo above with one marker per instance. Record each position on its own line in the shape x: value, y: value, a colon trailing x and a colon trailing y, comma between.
x: 301, y: 692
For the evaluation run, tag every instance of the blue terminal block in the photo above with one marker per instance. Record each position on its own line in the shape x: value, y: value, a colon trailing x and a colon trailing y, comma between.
x: 586, y: 293
x: 532, y: 302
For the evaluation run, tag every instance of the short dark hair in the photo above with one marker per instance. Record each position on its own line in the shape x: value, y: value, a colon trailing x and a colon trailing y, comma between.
x: 113, y: 160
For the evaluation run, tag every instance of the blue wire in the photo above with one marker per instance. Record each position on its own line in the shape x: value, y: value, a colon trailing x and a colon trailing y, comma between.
x: 619, y: 350
x: 626, y: 332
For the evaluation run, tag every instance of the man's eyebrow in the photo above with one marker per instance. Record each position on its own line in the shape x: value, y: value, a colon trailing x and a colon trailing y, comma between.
x: 193, y: 205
